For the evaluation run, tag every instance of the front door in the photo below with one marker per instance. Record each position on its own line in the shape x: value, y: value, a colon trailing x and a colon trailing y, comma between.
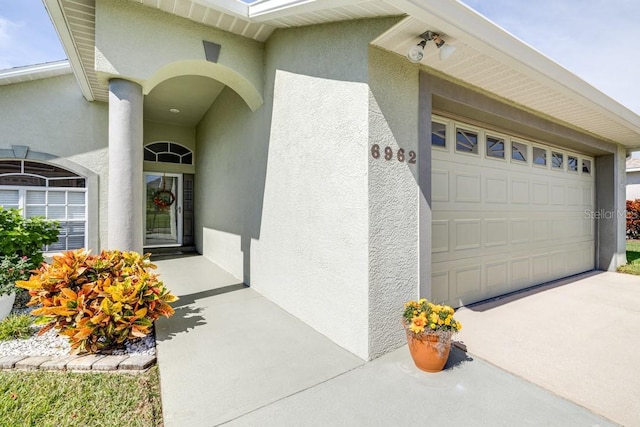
x: 163, y: 209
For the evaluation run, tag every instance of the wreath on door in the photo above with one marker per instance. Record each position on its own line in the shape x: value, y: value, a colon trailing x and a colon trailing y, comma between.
x: 163, y: 198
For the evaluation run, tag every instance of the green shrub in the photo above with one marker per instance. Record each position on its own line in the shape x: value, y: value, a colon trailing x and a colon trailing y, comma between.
x: 16, y: 326
x: 99, y: 301
x: 12, y: 269
x: 25, y: 236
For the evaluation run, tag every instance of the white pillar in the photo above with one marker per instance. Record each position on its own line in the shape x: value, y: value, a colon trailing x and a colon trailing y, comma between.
x: 125, y: 166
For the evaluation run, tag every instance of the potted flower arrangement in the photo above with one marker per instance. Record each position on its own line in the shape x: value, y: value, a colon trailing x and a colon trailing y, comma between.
x: 12, y: 269
x: 429, y: 328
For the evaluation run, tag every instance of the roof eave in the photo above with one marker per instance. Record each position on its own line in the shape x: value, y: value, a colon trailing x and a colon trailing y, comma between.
x: 55, y: 11
x: 36, y: 70
x: 494, y: 41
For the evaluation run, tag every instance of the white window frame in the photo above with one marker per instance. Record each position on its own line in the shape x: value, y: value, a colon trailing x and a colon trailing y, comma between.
x: 48, y: 188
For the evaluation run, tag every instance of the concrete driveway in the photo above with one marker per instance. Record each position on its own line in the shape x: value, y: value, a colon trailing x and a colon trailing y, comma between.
x: 578, y: 338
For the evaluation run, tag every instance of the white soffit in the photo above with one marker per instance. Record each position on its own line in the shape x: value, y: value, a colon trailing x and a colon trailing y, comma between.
x: 227, y: 15
x: 75, y: 24
x: 296, y: 13
x: 491, y: 59
x: 34, y: 72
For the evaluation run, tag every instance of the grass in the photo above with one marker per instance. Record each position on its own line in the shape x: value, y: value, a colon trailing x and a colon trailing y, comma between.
x: 633, y: 258
x: 16, y: 326
x: 48, y: 399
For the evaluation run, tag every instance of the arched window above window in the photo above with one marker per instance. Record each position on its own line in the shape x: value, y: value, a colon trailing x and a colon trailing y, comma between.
x: 34, y: 174
x: 168, y: 152
x: 43, y: 189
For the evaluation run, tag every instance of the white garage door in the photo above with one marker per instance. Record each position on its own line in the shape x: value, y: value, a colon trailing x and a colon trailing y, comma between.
x: 507, y: 213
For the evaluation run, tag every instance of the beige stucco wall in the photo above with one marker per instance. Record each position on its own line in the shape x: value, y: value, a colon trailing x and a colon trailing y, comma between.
x: 283, y: 192
x: 147, y: 45
x: 314, y: 224
x: 51, y: 117
x: 231, y: 165
x: 394, y: 255
x: 633, y: 185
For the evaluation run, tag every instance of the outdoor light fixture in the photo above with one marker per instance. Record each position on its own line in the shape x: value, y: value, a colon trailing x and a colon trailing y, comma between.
x: 416, y: 53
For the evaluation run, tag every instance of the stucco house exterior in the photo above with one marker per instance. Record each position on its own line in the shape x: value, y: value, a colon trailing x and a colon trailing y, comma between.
x: 311, y: 159
x: 633, y: 178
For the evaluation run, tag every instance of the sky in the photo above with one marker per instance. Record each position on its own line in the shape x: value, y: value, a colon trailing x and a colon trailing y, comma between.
x: 595, y: 39
x: 27, y: 36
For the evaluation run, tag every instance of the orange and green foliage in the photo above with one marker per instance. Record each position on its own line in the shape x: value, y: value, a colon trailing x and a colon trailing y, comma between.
x: 633, y: 219
x: 98, y: 301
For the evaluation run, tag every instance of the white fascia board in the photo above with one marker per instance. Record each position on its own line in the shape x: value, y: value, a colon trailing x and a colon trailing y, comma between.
x: 57, y: 67
x: 64, y: 33
x: 266, y: 10
x: 633, y: 170
x: 230, y: 7
x: 461, y: 22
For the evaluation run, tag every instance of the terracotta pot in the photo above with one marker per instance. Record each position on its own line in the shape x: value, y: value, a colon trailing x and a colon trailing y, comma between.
x: 429, y: 351
x: 6, y: 304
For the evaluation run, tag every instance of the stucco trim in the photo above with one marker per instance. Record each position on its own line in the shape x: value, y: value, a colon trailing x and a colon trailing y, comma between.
x: 469, y: 104
x: 424, y: 155
x: 221, y: 73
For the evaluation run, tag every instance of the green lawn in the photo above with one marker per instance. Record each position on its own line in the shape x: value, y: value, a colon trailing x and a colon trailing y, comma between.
x: 633, y: 258
x: 45, y: 399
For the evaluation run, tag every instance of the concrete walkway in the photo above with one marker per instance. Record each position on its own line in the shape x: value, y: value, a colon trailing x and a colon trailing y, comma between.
x: 231, y: 357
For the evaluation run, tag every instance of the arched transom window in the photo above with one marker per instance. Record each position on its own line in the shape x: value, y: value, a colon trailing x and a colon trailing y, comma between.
x: 168, y: 152
x: 42, y: 189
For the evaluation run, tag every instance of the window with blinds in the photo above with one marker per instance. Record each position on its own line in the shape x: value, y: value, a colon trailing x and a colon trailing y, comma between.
x: 40, y: 189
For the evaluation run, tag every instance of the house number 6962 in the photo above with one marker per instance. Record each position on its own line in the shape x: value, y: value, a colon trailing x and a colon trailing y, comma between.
x: 389, y: 155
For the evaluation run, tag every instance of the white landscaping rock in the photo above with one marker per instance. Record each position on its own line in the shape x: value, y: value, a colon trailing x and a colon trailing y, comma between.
x: 51, y: 344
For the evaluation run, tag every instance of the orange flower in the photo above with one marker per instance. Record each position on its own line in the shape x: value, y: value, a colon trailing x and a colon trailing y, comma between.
x: 418, y: 323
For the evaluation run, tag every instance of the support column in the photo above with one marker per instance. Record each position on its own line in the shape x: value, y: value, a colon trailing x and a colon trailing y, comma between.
x: 610, y: 200
x: 125, y: 166
x: 424, y: 181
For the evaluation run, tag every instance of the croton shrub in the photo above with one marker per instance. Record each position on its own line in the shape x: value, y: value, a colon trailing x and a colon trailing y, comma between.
x: 633, y: 219
x: 98, y: 301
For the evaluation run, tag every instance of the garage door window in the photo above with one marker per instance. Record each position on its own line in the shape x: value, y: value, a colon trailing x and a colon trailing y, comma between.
x: 539, y: 156
x: 438, y: 134
x: 466, y: 141
x: 495, y: 147
x: 586, y: 166
x: 519, y: 151
x: 572, y: 164
x: 40, y: 189
x: 557, y: 160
